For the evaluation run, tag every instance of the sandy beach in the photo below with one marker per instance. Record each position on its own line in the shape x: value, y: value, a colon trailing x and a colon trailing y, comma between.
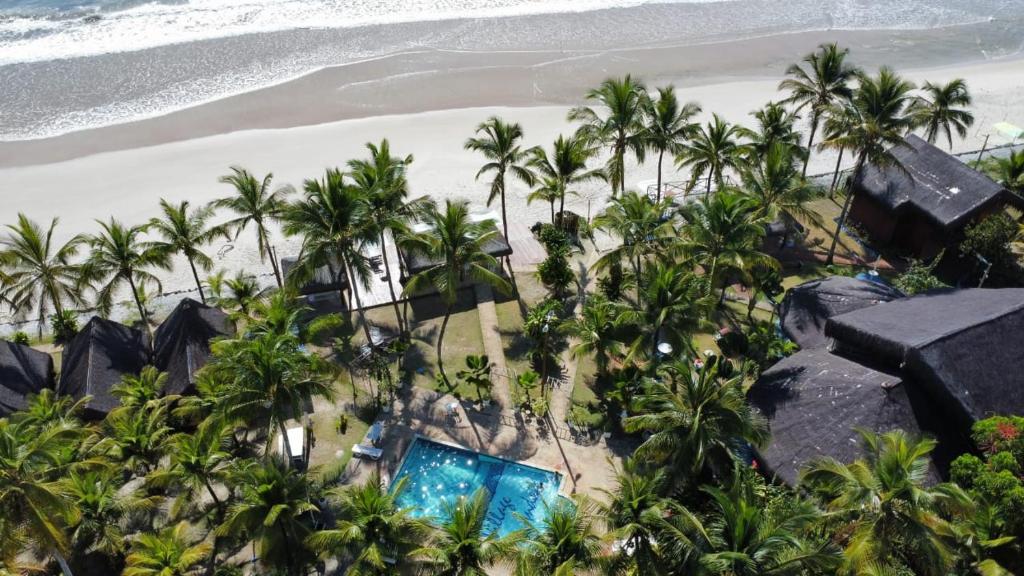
x: 427, y: 104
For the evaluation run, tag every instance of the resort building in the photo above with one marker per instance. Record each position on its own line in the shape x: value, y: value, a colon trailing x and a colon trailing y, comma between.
x: 324, y: 280
x: 922, y: 205
x: 181, y: 345
x: 807, y: 307
x: 413, y: 263
x: 23, y: 371
x: 97, y: 358
x: 929, y: 364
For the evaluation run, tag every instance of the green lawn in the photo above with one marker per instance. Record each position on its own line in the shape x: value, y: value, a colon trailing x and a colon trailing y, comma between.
x: 328, y: 439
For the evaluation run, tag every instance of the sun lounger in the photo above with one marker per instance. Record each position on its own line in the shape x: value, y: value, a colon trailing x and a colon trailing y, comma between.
x: 367, y: 451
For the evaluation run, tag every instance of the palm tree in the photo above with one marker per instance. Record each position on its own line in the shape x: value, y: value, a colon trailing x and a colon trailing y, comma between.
x: 823, y: 84
x: 373, y: 530
x: 618, y: 124
x: 668, y: 125
x: 500, y: 145
x: 119, y: 255
x: 547, y: 190
x: 198, y: 461
x: 140, y: 391
x: 336, y: 224
x: 269, y: 378
x: 1008, y: 171
x: 382, y: 181
x: 776, y: 186
x: 237, y: 296
x: 566, y: 167
x: 38, y: 273
x: 594, y: 330
x: 272, y: 503
x: 254, y: 203
x: 878, y: 119
x: 171, y: 552
x: 694, y: 421
x: 671, y: 308
x: 186, y: 233
x: 641, y: 225
x: 134, y: 437
x: 775, y: 125
x: 713, y: 149
x: 838, y: 122
x: 895, y: 518
x: 459, y: 546
x: 723, y: 233
x: 566, y: 542
x: 942, y: 110
x: 32, y: 495
x: 454, y: 244
x: 106, y: 513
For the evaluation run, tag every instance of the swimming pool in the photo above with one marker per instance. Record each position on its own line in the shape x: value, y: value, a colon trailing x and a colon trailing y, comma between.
x: 438, y: 473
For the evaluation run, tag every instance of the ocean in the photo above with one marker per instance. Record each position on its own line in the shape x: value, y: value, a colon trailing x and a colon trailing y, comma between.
x: 69, y: 65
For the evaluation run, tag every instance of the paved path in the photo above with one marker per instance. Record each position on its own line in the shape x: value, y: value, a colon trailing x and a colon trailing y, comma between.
x: 493, y: 346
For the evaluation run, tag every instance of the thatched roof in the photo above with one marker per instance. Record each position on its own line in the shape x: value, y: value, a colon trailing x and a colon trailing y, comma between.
x: 931, y: 183
x: 964, y: 346
x: 23, y: 371
x: 815, y: 400
x: 497, y: 246
x: 806, y: 308
x: 328, y: 278
x: 181, y: 345
x: 97, y: 358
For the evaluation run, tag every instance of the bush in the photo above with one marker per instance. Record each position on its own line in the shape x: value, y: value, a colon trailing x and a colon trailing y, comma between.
x: 553, y: 238
x: 20, y: 337
x: 990, y: 238
x: 554, y: 272
x: 919, y: 278
x: 733, y: 343
x: 64, y: 326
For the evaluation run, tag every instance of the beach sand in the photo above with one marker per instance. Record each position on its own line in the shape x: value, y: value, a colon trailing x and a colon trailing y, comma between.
x: 294, y: 131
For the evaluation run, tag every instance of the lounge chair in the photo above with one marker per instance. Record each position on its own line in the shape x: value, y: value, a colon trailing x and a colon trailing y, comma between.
x: 367, y: 451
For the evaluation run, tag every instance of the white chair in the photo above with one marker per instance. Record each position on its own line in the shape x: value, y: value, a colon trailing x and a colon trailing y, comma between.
x: 367, y: 451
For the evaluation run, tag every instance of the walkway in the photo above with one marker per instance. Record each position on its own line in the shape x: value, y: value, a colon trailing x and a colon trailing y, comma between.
x: 493, y: 346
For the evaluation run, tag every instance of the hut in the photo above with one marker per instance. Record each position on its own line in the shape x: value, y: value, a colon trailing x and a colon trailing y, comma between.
x: 23, y: 371
x: 181, y: 345
x: 807, y: 307
x: 922, y: 205
x: 497, y: 246
x: 327, y: 279
x: 97, y: 358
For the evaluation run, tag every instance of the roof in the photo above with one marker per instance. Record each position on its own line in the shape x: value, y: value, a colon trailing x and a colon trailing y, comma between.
x: 806, y: 308
x: 814, y: 402
x: 181, y: 345
x: 23, y: 371
x: 497, y: 246
x: 932, y: 183
x: 97, y: 358
x: 963, y: 346
x: 327, y: 278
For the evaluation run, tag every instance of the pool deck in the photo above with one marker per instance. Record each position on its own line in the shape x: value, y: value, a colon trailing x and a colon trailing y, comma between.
x: 417, y: 411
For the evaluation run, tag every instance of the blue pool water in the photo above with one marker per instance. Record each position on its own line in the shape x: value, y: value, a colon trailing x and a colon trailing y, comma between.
x: 438, y: 473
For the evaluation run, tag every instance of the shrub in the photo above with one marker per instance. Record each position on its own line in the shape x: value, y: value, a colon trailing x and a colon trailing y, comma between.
x: 64, y: 326
x: 554, y: 272
x: 919, y: 278
x: 733, y: 343
x: 990, y: 238
x: 20, y: 337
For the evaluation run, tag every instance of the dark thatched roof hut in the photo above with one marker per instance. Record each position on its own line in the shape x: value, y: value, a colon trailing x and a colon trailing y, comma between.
x: 23, y: 371
x: 327, y: 278
x: 807, y: 307
x: 816, y: 401
x: 963, y: 346
x: 98, y: 358
x: 414, y: 263
x: 181, y: 345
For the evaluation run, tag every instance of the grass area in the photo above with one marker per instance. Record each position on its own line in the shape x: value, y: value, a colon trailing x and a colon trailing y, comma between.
x: 329, y: 441
x: 510, y: 321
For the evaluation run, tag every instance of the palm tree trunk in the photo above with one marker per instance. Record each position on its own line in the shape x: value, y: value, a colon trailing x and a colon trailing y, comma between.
x: 64, y: 568
x: 199, y: 285
x: 359, y: 302
x: 552, y: 211
x: 846, y: 207
x: 440, y: 342
x: 636, y: 276
x: 504, y: 214
x: 287, y: 444
x: 711, y: 174
x: 138, y: 303
x: 661, y: 156
x: 835, y: 176
x: 561, y: 208
x: 216, y: 501
x: 391, y: 288
x: 289, y: 561
x: 273, y: 262
x: 810, y: 143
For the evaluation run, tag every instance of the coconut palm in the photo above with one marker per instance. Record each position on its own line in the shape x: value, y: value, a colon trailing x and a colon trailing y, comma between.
x: 273, y: 501
x: 335, y: 221
x: 942, y: 110
x: 594, y: 331
x: 135, y: 438
x: 268, y: 379
x: 454, y: 245
x: 106, y: 513
x: 39, y: 274
x: 838, y: 122
x: 672, y: 307
x: 140, y: 391
x: 694, y: 421
x: 563, y: 169
x: 617, y: 122
x: 722, y: 233
x: 382, y: 182
x: 1008, y: 171
x: 668, y: 125
x: 775, y: 125
x: 824, y: 83
x: 372, y: 529
x: 198, y: 462
x: 118, y: 255
x: 565, y: 542
x: 500, y: 144
x: 713, y: 149
x: 642, y: 227
x: 877, y: 120
x: 776, y: 187
x: 254, y: 203
x: 186, y: 232
x: 13, y: 561
x: 547, y: 190
x: 48, y: 409
x: 237, y: 296
x: 459, y: 546
x: 895, y: 517
x: 171, y: 552
x: 32, y: 495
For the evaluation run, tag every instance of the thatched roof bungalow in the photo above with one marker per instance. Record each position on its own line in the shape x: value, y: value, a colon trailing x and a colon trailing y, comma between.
x: 807, y: 307
x: 923, y: 205
x: 181, y: 345
x: 97, y: 358
x: 23, y: 371
x: 325, y: 279
x: 497, y: 246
